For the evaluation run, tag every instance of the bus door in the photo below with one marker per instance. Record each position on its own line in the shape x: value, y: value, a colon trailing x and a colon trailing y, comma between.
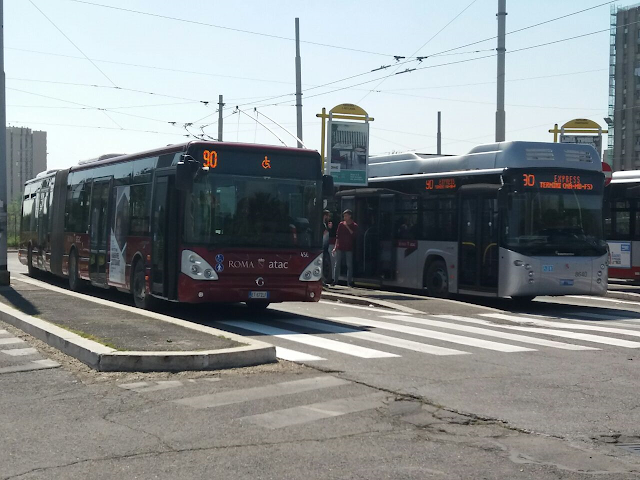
x: 43, y: 227
x: 99, y: 230
x: 478, y: 243
x: 164, y: 234
x: 386, y: 257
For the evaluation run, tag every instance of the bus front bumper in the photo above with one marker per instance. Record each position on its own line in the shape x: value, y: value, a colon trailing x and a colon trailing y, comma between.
x: 273, y: 291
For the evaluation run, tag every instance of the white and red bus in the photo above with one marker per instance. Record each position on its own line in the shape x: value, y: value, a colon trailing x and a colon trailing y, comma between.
x: 622, y: 224
x: 195, y: 222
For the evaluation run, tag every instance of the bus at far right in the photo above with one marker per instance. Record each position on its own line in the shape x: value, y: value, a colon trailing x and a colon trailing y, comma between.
x: 622, y: 224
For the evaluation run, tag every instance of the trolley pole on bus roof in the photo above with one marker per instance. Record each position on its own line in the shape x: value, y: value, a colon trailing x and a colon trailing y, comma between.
x: 439, y: 150
x: 500, y: 115
x: 298, y: 85
x: 4, y: 271
x: 220, y: 106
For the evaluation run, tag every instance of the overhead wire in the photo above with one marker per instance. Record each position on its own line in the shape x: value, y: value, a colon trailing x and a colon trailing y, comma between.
x: 73, y: 43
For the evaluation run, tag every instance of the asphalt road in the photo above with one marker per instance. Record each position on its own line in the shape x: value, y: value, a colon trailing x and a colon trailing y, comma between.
x: 458, y: 391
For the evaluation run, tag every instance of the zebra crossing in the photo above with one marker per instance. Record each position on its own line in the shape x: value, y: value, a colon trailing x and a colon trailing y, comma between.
x: 386, y: 336
x: 295, y: 407
x: 17, y: 356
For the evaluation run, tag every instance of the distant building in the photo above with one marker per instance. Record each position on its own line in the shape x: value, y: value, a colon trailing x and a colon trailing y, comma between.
x: 26, y: 157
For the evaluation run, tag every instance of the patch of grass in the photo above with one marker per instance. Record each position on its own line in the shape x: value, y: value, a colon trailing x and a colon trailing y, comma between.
x: 89, y: 336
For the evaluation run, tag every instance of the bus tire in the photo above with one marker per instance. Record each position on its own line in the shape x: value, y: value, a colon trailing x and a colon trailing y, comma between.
x: 30, y: 268
x: 257, y: 306
x: 436, y: 279
x: 141, y: 298
x: 75, y: 282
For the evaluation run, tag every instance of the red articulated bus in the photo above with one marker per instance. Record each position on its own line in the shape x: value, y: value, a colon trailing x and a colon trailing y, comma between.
x: 195, y: 222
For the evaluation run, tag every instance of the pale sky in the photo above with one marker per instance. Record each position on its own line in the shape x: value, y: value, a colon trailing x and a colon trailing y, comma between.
x: 174, y: 66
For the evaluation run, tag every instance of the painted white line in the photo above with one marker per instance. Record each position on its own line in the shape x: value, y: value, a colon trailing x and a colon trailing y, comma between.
x: 133, y: 386
x: 3, y: 332
x: 602, y: 299
x: 259, y: 393
x: 319, y: 342
x: 10, y: 341
x: 294, y: 356
x: 160, y: 385
x: 447, y: 337
x: 288, y: 417
x: 46, y: 363
x: 360, y: 307
x: 18, y: 352
x: 571, y: 326
x: 489, y: 333
x: 565, y: 334
x: 377, y: 338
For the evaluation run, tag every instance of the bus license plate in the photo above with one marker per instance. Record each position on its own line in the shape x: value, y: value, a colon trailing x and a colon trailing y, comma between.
x: 258, y: 294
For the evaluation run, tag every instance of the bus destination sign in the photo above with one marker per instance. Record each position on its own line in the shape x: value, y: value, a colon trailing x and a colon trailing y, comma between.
x: 440, y: 184
x: 550, y: 181
x: 258, y: 162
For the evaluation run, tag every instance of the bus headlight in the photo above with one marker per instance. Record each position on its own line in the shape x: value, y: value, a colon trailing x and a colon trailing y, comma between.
x: 527, y: 266
x: 599, y: 274
x: 313, y: 272
x: 196, y: 267
x: 531, y: 280
x: 602, y: 267
x: 599, y: 280
x: 531, y: 274
x: 518, y: 263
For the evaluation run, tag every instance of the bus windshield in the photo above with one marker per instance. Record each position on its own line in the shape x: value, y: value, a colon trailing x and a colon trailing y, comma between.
x: 554, y: 224
x: 244, y: 211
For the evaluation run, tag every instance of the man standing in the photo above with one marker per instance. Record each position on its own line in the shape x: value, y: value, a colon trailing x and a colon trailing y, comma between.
x: 326, y: 259
x: 345, y: 241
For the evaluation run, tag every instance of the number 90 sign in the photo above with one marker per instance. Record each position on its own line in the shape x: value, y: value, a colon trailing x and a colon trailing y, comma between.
x: 210, y: 158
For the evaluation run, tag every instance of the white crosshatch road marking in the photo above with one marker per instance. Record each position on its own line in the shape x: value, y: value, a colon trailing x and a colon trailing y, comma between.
x: 320, y: 342
x: 258, y: 393
x: 144, y: 387
x: 18, y: 352
x: 377, y: 338
x: 316, y: 411
x: 446, y: 337
x: 490, y: 333
x: 294, y: 356
x: 10, y: 341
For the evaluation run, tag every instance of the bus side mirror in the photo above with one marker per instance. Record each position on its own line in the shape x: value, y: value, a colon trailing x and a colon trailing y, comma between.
x: 327, y: 186
x: 186, y: 170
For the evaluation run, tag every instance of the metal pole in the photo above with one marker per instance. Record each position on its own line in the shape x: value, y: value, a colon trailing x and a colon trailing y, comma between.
x: 4, y: 272
x: 298, y: 84
x: 322, y: 135
x: 439, y: 135
x: 500, y: 114
x: 220, y: 106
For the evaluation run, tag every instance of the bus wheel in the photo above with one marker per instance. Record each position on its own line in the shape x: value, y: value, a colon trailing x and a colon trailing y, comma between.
x: 257, y: 306
x: 75, y: 282
x: 523, y: 300
x: 437, y: 279
x: 31, y: 269
x: 139, y: 290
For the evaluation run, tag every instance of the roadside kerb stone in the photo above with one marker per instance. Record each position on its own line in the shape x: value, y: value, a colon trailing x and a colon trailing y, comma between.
x: 367, y: 301
x: 103, y: 358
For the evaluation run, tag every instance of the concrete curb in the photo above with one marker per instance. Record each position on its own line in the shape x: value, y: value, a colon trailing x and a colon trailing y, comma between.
x: 106, y: 359
x: 623, y: 295
x: 366, y: 301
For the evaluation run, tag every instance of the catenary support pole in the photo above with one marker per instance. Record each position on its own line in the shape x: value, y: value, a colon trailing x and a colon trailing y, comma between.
x: 298, y: 85
x: 4, y: 271
x: 500, y: 114
x: 439, y: 151
x: 220, y: 106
